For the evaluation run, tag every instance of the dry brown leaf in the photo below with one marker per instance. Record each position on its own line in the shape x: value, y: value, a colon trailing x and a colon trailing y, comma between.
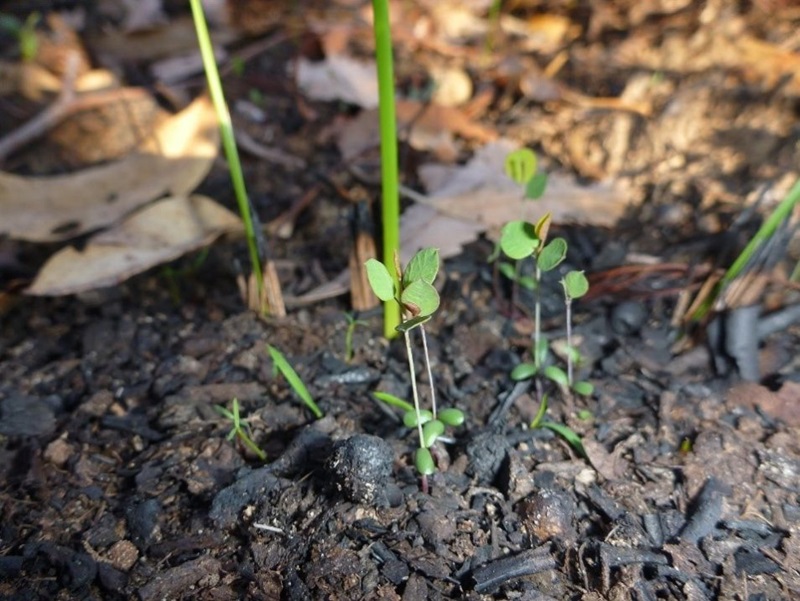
x: 158, y: 233
x: 480, y: 192
x: 172, y: 161
x: 339, y: 77
x: 611, y: 466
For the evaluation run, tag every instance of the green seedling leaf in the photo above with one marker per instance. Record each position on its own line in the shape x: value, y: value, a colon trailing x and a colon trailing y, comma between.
x: 423, y: 460
x: 288, y: 372
x: 583, y: 388
x: 575, y: 284
x: 394, y: 401
x: 495, y: 253
x: 420, y: 298
x: 520, y: 165
x: 410, y: 419
x: 536, y: 186
x: 380, y: 280
x: 541, y: 352
x: 431, y: 431
x: 518, y: 239
x: 410, y: 324
x: 573, y: 354
x: 423, y: 266
x: 508, y: 270
x: 585, y: 415
x: 556, y: 374
x: 542, y: 227
x: 527, y: 282
x: 451, y: 417
x: 537, y: 420
x: 523, y: 371
x: 567, y: 434
x: 551, y: 255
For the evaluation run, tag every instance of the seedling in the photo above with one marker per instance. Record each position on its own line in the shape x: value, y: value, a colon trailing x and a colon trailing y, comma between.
x: 565, y: 432
x: 282, y: 366
x: 352, y: 322
x: 240, y: 428
x: 414, y: 293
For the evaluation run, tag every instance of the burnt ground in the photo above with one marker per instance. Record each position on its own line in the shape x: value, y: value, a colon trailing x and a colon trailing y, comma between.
x: 118, y: 481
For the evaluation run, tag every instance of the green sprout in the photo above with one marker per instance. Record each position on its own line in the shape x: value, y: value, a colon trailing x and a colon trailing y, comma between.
x: 520, y: 240
x: 256, y: 243
x: 565, y: 432
x: 390, y: 179
x: 352, y: 322
x: 25, y: 32
x: 287, y: 371
x: 240, y: 428
x: 413, y: 291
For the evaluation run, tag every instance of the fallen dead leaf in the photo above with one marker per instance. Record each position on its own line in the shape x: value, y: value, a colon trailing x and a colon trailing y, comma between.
x: 158, y: 233
x: 339, y: 77
x: 783, y: 404
x: 480, y: 192
x: 172, y: 161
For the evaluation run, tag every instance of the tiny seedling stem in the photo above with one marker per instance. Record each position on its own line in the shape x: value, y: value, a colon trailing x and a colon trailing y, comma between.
x: 412, y: 372
x: 568, y: 306
x: 430, y: 371
x: 537, y: 319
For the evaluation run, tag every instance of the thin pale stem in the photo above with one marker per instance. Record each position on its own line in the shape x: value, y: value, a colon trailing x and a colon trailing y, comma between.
x: 568, y: 303
x: 537, y: 318
x: 430, y: 371
x: 413, y: 373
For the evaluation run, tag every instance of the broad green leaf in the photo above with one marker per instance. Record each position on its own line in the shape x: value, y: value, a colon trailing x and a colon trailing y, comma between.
x: 410, y: 419
x: 556, y: 374
x: 552, y: 254
x: 567, y: 434
x: 423, y: 266
x: 420, y: 298
x: 451, y: 416
x: 583, y: 388
x: 288, y: 372
x: 431, y: 431
x: 423, y: 461
x: 575, y: 284
x: 410, y: 324
x: 508, y: 270
x: 523, y: 371
x: 380, y: 281
x: 542, y: 352
x: 518, y: 240
x: 536, y: 186
x: 394, y: 401
x: 520, y: 165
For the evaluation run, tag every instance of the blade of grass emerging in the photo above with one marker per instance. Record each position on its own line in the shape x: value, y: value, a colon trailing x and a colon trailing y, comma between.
x: 288, y: 372
x: 228, y: 138
x: 390, y: 204
x: 780, y: 214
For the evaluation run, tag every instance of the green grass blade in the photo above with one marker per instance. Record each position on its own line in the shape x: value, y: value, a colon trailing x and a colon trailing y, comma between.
x: 288, y: 372
x: 394, y: 401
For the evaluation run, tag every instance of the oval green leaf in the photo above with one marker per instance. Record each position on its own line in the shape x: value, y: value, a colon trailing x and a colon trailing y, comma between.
x: 508, y: 270
x: 422, y: 295
x: 431, y: 431
x: 583, y: 388
x: 536, y: 186
x: 520, y: 165
x: 451, y: 416
x: 567, y: 434
x: 575, y: 284
x: 518, y: 239
x: 380, y: 281
x: 394, y: 401
x: 527, y: 282
x: 552, y: 254
x: 423, y: 266
x: 410, y: 324
x: 523, y: 371
x: 556, y: 374
x: 423, y: 461
x: 410, y: 419
x: 541, y: 352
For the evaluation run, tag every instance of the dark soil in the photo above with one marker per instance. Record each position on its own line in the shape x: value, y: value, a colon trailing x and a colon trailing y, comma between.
x: 117, y: 480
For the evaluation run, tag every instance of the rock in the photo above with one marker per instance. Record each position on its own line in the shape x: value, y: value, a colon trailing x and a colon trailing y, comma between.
x: 361, y: 467
x: 628, y: 317
x: 26, y: 416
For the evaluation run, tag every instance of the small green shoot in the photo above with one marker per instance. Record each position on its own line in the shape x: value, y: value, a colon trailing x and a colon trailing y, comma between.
x: 413, y: 291
x: 352, y: 322
x: 575, y: 286
x: 25, y: 33
x: 240, y: 428
x: 561, y: 430
x: 288, y: 372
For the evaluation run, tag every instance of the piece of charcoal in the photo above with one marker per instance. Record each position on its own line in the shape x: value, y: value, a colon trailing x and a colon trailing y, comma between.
x: 488, y: 578
x: 707, y: 512
x: 652, y: 525
x: 392, y: 568
x: 249, y: 489
x: 142, y: 520
x: 604, y: 503
x: 361, y: 467
x: 486, y: 452
x: 753, y: 563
